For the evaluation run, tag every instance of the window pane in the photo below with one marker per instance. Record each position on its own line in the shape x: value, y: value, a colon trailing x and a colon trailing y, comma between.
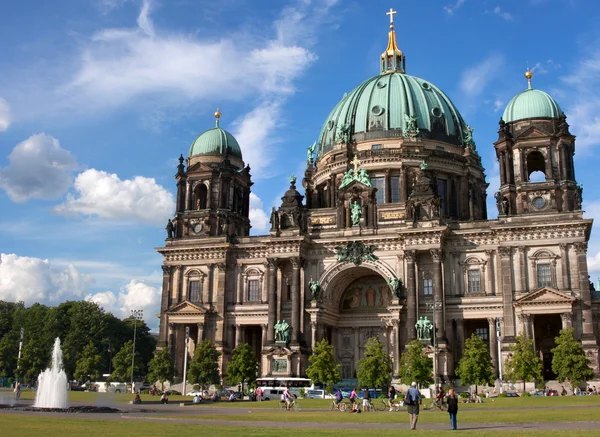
x: 474, y: 281
x: 442, y: 185
x: 194, y: 291
x: 379, y: 183
x: 482, y: 333
x: 253, y: 290
x: 544, y: 275
x: 395, y: 189
x: 428, y: 287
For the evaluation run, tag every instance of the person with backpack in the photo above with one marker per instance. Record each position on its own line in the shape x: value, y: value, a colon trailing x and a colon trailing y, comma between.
x: 412, y: 400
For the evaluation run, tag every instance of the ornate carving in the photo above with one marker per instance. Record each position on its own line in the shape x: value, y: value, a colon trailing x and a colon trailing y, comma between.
x: 396, y: 286
x: 315, y: 289
x: 273, y: 262
x: 357, y: 252
x: 296, y: 262
x: 221, y: 267
x: 166, y: 270
x: 504, y: 251
x: 580, y: 248
x: 566, y: 318
x: 436, y: 255
x: 283, y: 332
x: 355, y: 213
x: 410, y: 256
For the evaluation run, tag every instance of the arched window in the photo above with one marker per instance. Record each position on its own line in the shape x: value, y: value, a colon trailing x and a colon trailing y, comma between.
x: 536, y: 167
x: 201, y: 196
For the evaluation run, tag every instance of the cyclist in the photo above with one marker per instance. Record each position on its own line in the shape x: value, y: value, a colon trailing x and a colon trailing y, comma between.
x: 288, y: 397
x: 439, y: 398
x: 354, y: 400
x: 392, y: 396
x: 338, y: 398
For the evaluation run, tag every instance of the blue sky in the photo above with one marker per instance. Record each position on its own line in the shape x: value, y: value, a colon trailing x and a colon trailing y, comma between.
x: 99, y: 97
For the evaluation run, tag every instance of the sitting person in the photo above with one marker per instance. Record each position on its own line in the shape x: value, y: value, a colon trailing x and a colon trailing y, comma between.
x: 138, y: 399
x: 164, y: 399
x: 197, y: 399
x: 231, y: 396
x: 215, y: 397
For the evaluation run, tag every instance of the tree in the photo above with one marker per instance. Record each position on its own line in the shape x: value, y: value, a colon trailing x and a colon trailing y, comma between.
x: 204, y: 368
x: 415, y: 365
x: 122, y: 363
x: 89, y: 364
x: 569, y: 361
x: 323, y: 368
x: 475, y: 367
x: 524, y: 363
x: 160, y: 368
x: 375, y: 367
x: 243, y: 366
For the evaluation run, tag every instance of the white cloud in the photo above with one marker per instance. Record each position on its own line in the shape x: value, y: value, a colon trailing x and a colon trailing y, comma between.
x: 258, y: 217
x: 105, y: 195
x: 35, y: 280
x: 504, y: 15
x: 498, y: 105
x: 5, y: 117
x: 38, y: 168
x: 450, y: 9
x: 135, y: 295
x: 474, y: 79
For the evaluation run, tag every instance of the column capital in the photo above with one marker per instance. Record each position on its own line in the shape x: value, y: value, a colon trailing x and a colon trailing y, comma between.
x: 166, y: 270
x: 410, y: 255
x: 504, y: 251
x: 580, y: 248
x: 296, y: 262
x: 563, y: 246
x: 436, y: 254
x: 221, y: 266
x: 264, y: 326
x: 489, y: 252
x: 200, y: 325
x: 313, y: 324
x: 273, y: 262
x: 520, y: 249
x: 566, y: 317
x: 492, y: 321
x: 524, y: 317
x: 239, y: 268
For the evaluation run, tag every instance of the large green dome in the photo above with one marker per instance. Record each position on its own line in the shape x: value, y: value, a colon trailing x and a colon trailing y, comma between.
x: 379, y: 108
x: 215, y: 141
x: 531, y: 103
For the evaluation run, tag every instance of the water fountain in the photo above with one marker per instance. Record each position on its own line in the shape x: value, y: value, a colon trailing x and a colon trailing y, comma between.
x: 52, y: 383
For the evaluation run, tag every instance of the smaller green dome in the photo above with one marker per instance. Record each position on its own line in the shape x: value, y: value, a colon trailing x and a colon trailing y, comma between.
x: 531, y: 103
x: 215, y: 141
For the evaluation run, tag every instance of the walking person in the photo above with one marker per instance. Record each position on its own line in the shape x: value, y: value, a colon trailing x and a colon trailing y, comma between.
x: 412, y: 400
x: 17, y: 391
x: 452, y: 401
x: 392, y: 396
x: 259, y: 394
x: 366, y: 400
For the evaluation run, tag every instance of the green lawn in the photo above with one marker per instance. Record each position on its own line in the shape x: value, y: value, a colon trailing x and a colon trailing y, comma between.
x: 32, y: 426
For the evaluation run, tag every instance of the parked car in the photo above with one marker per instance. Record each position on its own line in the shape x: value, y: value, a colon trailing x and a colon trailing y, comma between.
x: 538, y: 393
x: 172, y: 393
x: 195, y: 392
x: 512, y: 394
x: 318, y: 394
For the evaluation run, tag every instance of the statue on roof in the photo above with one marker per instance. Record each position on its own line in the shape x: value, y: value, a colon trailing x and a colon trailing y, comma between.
x: 468, y: 137
x: 309, y: 153
x: 343, y: 136
x: 355, y: 213
x: 410, y: 126
x: 170, y: 229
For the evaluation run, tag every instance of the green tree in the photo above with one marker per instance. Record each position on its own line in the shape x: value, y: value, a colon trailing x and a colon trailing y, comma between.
x: 160, y: 368
x: 89, y: 364
x: 122, y: 363
x: 475, y: 367
x: 375, y: 367
x: 569, y: 361
x: 524, y: 364
x: 415, y: 365
x: 323, y: 368
x: 9, y: 349
x: 243, y: 366
x: 204, y: 368
x: 35, y: 358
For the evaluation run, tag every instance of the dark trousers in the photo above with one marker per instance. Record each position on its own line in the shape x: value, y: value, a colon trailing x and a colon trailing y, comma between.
x: 452, y: 420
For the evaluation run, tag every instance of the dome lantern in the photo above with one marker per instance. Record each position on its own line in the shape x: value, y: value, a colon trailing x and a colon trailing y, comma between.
x: 531, y: 104
x: 392, y: 60
x: 216, y: 141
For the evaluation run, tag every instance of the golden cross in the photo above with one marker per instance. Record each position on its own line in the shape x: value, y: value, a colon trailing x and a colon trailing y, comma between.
x: 355, y: 163
x: 391, y: 14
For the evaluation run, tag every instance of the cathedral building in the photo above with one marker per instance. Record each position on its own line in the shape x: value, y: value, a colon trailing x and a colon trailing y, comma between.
x: 391, y: 228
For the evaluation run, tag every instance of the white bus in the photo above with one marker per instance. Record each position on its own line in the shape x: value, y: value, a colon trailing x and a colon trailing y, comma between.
x: 273, y: 386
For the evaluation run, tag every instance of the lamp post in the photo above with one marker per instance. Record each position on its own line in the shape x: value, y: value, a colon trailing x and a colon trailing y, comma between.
x: 185, y: 356
x: 434, y: 306
x: 20, y: 347
x: 499, y: 341
x: 137, y: 315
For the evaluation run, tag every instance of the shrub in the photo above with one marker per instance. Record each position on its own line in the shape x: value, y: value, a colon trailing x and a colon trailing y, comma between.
x: 525, y: 394
x: 502, y: 395
x: 464, y: 395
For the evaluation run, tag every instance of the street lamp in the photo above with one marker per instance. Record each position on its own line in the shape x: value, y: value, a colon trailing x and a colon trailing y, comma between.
x: 434, y: 306
x: 137, y: 315
x: 499, y: 340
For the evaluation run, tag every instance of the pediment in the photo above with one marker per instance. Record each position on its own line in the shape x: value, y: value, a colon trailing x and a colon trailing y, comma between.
x: 532, y: 132
x: 345, y: 356
x: 545, y: 296
x: 185, y: 308
x: 279, y: 351
x: 198, y: 167
x: 355, y: 185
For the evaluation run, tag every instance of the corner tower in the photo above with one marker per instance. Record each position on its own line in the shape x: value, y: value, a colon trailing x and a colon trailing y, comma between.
x: 535, y: 151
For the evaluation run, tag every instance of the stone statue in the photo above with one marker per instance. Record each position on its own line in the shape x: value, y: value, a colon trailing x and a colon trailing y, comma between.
x: 410, y: 125
x: 282, y: 331
x: 348, y: 177
x: 274, y: 220
x: 395, y: 286
x: 468, y: 137
x: 293, y: 180
x: 427, y: 328
x: 363, y: 177
x: 578, y: 197
x: 309, y: 153
x: 505, y: 205
x: 198, y: 204
x: 170, y: 229
x: 315, y: 289
x: 343, y: 136
x: 498, y: 198
x: 410, y: 209
x: 419, y: 328
x: 355, y: 213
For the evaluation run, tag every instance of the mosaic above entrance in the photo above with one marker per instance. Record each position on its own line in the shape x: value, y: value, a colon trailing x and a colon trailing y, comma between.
x: 369, y: 293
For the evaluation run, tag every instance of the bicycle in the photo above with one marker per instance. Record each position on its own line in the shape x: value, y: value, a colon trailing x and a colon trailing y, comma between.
x: 435, y: 403
x: 294, y: 406
x: 341, y: 406
x: 385, y: 404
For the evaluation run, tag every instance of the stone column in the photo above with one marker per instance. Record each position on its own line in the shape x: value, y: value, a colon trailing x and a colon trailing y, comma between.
x: 176, y: 291
x: 239, y: 284
x: 567, y: 320
x: 584, y: 290
x: 272, y: 311
x: 188, y: 195
x: 502, y: 169
x: 238, y: 335
x: 522, y: 268
x: 356, y: 346
x: 264, y: 330
x: 396, y: 344
x: 200, y: 336
x: 460, y: 338
x: 493, y: 340
x: 452, y: 344
x: 507, y: 294
x: 313, y: 328
x: 458, y: 276
x: 295, y: 299
x: 411, y: 296
x: 165, y: 303
x: 403, y: 190
x: 218, y: 302
x: 438, y: 296
x: 564, y: 263
x: 490, y: 289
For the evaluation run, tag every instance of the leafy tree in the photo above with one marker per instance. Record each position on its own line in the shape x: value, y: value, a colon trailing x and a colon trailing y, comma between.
x: 475, y: 367
x: 89, y: 364
x: 35, y: 358
x: 243, y: 366
x: 375, y: 367
x: 122, y: 363
x: 9, y: 350
x: 323, y: 368
x: 569, y: 361
x: 160, y: 368
x: 204, y: 368
x: 524, y: 363
x: 415, y: 365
